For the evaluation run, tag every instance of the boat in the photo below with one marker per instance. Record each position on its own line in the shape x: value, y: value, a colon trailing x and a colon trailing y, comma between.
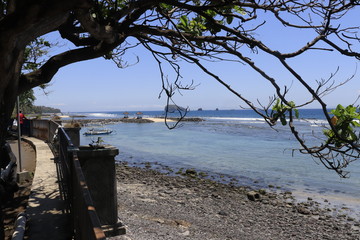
x: 98, y: 131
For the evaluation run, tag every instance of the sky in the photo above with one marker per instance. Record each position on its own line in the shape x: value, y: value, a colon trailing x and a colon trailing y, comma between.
x: 98, y: 85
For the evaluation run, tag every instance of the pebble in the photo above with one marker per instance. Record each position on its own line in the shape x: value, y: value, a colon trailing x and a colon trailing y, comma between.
x: 216, y: 211
x: 223, y: 213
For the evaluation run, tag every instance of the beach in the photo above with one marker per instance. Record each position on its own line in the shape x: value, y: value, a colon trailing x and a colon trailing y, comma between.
x: 234, y: 145
x: 298, y: 198
x: 154, y: 205
x: 189, y: 205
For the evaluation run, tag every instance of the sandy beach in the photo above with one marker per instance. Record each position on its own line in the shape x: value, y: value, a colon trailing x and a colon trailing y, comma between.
x: 156, y: 206
x: 159, y: 120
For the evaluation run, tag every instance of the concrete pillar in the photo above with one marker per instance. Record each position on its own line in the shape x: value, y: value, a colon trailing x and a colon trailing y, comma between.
x: 74, y: 135
x: 98, y: 166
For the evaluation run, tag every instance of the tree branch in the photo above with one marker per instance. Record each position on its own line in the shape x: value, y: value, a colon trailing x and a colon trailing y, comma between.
x: 49, y: 69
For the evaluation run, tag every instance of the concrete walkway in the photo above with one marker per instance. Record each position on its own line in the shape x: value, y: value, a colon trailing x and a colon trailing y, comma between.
x: 47, y: 218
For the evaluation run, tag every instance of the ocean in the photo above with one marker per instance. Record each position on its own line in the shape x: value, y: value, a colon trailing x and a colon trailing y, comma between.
x: 236, y: 144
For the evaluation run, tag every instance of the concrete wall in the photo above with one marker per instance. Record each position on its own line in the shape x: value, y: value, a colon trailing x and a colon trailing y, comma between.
x: 43, y: 129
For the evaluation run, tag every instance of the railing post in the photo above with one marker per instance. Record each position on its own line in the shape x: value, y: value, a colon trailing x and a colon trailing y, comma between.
x: 49, y: 132
x: 85, y: 220
x: 31, y: 129
x: 74, y: 134
x: 98, y: 166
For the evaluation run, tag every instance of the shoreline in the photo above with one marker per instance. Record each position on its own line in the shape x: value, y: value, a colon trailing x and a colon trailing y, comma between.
x: 335, y: 204
x: 157, y: 206
x: 89, y: 121
x: 328, y: 209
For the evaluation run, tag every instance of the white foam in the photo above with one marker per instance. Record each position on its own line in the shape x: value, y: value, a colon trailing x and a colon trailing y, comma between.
x: 237, y: 119
x: 104, y: 115
x: 317, y: 122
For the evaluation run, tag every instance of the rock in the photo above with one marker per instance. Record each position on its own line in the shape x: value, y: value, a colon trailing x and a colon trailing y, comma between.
x: 303, y: 210
x: 186, y: 233
x: 253, y: 196
x: 272, y: 196
x: 262, y: 191
x: 216, y: 211
x: 182, y: 223
x: 223, y: 213
x: 216, y: 196
x: 191, y: 171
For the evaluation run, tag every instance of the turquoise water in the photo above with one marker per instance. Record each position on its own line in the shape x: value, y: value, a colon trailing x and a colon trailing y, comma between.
x: 237, y: 144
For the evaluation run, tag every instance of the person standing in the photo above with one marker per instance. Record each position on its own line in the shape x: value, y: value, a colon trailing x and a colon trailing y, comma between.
x: 21, y: 118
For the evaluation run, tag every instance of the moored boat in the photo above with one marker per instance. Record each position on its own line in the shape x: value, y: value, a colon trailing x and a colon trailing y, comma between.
x: 98, y: 131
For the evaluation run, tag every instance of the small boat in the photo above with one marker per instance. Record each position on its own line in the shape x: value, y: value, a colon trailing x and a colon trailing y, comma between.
x: 98, y: 131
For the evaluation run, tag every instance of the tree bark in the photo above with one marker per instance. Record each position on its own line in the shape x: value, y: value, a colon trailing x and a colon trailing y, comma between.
x: 23, y: 23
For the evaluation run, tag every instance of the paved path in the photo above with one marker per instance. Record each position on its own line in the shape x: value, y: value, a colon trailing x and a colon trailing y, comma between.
x: 46, y: 208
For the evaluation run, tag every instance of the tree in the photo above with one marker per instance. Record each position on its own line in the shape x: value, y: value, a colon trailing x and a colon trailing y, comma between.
x: 193, y: 31
x: 26, y: 101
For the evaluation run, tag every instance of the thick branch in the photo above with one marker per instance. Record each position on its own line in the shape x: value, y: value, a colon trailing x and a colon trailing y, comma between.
x: 104, y: 33
x: 50, y: 68
x: 72, y: 33
x: 31, y: 20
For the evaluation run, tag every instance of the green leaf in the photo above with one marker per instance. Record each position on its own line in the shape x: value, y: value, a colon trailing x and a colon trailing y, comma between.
x: 346, y: 117
x: 184, y: 20
x: 352, y: 137
x: 211, y: 13
x: 283, y: 120
x: 239, y: 10
x: 355, y: 124
x: 296, y: 113
x: 292, y: 104
x: 165, y: 6
x: 229, y: 19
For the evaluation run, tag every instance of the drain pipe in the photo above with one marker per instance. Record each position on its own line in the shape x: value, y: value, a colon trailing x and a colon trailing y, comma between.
x: 19, y: 227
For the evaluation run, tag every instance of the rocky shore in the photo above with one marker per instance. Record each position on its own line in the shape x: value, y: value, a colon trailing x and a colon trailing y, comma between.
x: 154, y: 205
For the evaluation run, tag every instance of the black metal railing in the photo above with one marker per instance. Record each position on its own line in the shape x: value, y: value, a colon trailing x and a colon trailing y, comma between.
x: 84, y: 219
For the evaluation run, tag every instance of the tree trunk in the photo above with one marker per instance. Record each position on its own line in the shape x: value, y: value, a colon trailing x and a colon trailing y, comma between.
x: 10, y: 67
x: 23, y: 23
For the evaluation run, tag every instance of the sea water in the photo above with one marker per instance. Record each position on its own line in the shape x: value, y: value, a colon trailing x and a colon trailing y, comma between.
x: 238, y: 144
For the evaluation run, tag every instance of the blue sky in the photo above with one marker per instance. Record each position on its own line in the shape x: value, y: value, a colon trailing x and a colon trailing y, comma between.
x: 98, y: 85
